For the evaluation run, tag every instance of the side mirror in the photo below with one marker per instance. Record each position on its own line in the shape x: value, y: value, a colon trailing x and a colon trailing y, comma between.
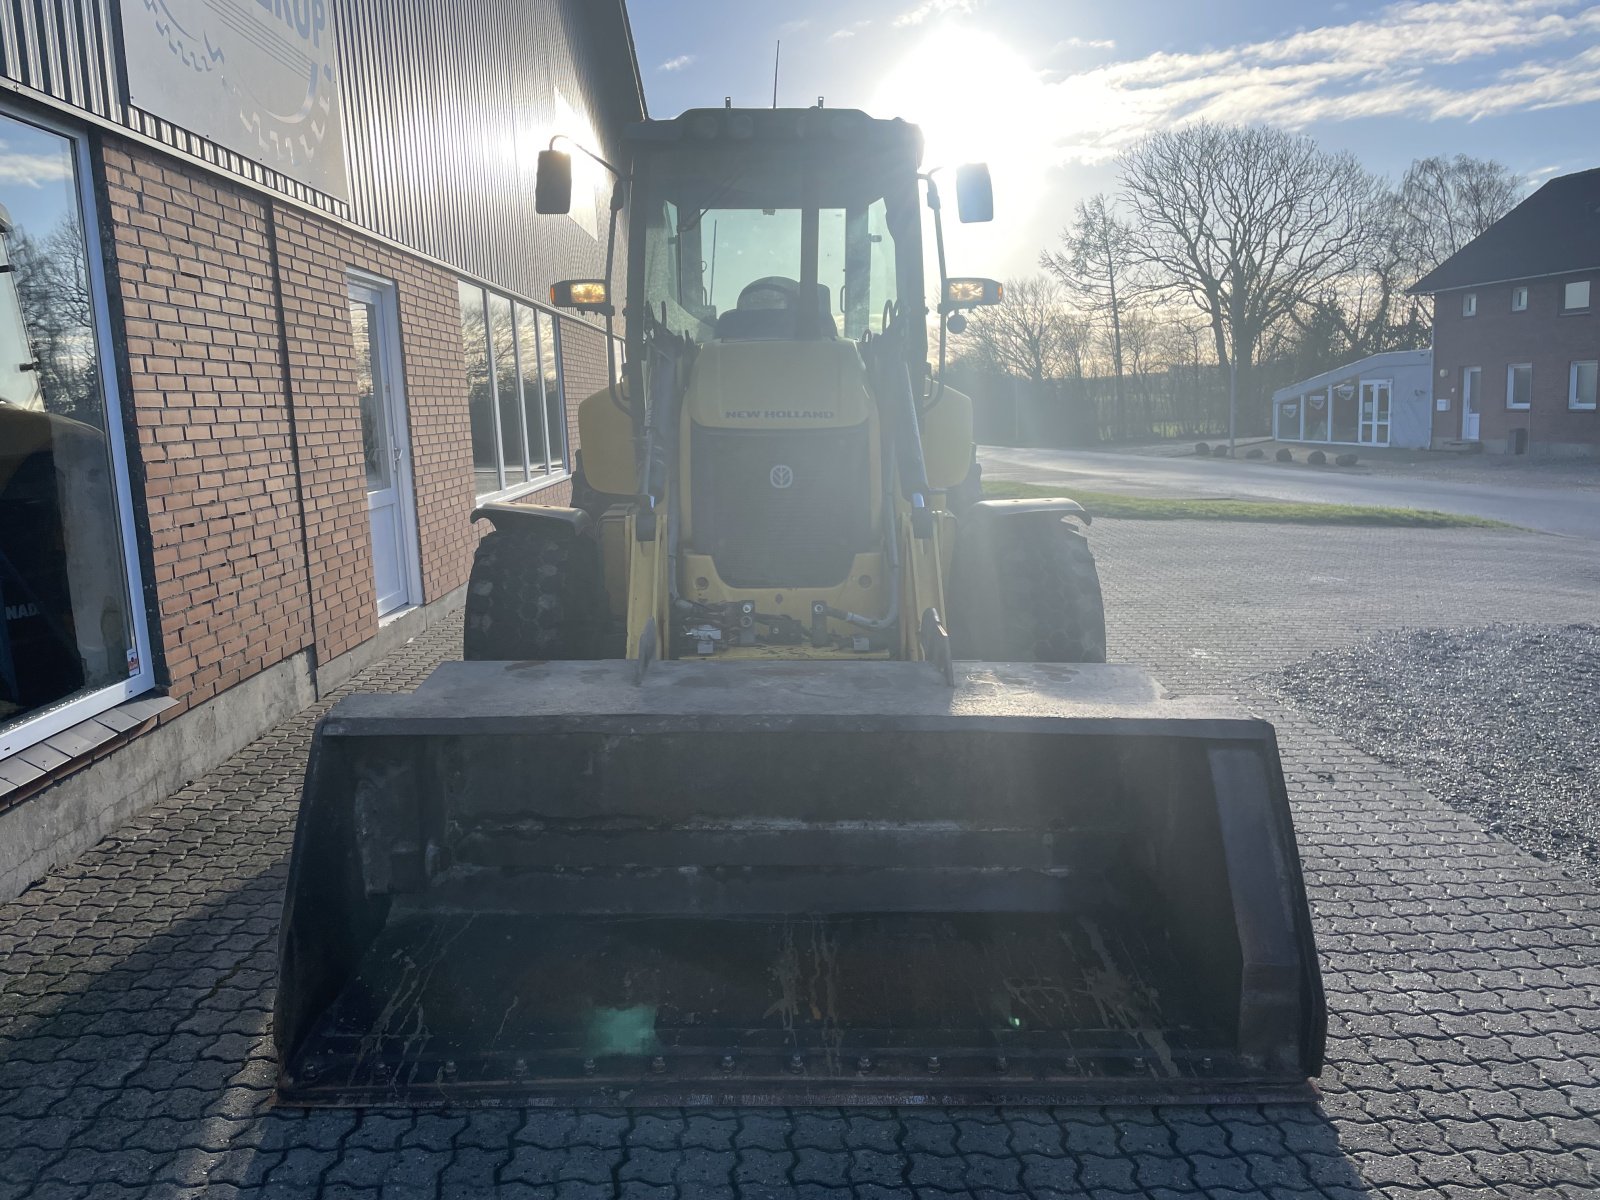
x: 552, y: 186
x: 971, y: 292
x: 974, y: 193
x: 581, y: 295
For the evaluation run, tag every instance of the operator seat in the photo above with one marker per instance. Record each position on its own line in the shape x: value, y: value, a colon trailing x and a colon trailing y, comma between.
x: 769, y: 310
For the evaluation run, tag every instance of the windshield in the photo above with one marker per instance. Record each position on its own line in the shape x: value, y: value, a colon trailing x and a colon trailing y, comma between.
x: 749, y: 246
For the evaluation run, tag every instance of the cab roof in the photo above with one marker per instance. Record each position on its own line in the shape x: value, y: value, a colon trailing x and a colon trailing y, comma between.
x: 771, y: 125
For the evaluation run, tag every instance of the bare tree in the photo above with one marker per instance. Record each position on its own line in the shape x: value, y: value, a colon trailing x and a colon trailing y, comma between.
x: 1035, y: 335
x: 1443, y: 203
x: 1096, y: 256
x: 1248, y: 224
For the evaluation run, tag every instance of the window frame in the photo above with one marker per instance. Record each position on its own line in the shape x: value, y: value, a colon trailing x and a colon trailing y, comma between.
x: 1469, y: 304
x: 1588, y: 296
x: 1519, y: 299
x: 45, y: 723
x: 1573, y: 404
x: 1511, y: 370
x: 555, y: 439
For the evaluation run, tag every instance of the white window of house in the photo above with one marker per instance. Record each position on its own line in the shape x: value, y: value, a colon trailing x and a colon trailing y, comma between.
x: 1519, y: 385
x: 514, y: 392
x: 1575, y: 296
x: 1519, y: 299
x: 73, y: 639
x: 1581, y: 390
x: 1469, y: 304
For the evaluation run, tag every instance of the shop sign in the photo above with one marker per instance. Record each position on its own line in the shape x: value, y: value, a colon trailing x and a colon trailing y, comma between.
x: 259, y: 77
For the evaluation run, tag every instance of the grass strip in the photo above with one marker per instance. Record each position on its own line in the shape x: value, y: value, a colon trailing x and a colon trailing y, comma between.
x: 1164, y: 508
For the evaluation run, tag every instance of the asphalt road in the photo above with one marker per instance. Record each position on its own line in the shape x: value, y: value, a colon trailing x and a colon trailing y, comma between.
x: 1573, y: 511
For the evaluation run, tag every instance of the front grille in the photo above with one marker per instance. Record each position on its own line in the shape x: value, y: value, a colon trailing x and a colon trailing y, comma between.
x: 781, y: 508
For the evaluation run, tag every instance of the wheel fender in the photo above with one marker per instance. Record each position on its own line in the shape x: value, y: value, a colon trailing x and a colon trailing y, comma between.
x: 991, y: 510
x: 527, y: 516
x: 975, y: 580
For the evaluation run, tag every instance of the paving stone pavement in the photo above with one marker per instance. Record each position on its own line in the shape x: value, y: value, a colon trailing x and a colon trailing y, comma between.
x: 1463, y: 975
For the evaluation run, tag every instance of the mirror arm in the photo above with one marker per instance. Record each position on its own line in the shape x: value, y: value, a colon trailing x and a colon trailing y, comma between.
x: 938, y: 241
x: 581, y: 148
x: 617, y: 201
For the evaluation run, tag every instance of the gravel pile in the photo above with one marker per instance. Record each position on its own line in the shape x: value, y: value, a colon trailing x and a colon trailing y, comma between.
x: 1501, y: 722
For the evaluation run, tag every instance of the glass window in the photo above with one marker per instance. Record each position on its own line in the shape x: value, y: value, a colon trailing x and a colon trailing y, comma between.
x: 70, y: 634
x: 1469, y: 304
x: 480, y: 392
x: 555, y: 405
x: 374, y: 428
x: 1519, y: 299
x: 1317, y: 417
x: 513, y: 389
x: 1582, y: 388
x: 1519, y: 385
x: 1575, y: 295
x: 508, y: 390
x: 727, y: 244
x: 1345, y: 417
x: 532, y: 383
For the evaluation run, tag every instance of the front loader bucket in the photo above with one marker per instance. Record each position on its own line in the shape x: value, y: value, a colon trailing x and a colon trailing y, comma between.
x: 794, y: 883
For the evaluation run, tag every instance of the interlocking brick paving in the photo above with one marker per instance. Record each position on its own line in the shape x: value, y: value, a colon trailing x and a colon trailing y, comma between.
x: 1463, y: 974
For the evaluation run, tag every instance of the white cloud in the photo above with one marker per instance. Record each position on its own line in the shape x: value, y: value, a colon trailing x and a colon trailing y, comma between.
x: 33, y: 170
x: 932, y: 8
x: 1078, y: 43
x: 676, y: 64
x: 789, y: 27
x: 1396, y: 62
x: 849, y: 31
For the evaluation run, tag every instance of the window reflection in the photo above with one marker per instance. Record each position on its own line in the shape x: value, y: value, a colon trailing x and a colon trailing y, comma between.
x: 67, y: 615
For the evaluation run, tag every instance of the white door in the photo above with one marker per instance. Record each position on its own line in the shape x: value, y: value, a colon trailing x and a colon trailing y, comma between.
x: 1471, y: 389
x: 1375, y: 412
x: 374, y: 325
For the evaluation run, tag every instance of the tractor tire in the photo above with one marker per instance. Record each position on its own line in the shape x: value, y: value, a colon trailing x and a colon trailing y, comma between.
x: 535, y: 594
x: 1042, y: 603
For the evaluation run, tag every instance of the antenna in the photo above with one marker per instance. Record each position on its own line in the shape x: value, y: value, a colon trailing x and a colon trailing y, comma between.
x: 776, y: 54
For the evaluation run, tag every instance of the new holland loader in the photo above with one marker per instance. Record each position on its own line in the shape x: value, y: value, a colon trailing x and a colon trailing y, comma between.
x: 783, y: 768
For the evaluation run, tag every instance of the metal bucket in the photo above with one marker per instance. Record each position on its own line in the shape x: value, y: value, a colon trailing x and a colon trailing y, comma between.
x: 794, y: 883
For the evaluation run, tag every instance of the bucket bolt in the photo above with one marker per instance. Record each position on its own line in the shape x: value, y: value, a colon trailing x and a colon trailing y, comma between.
x: 864, y: 1064
x: 658, y: 1064
x: 933, y: 1063
x: 519, y: 1069
x: 727, y: 1062
x: 450, y: 1071
x: 588, y: 1066
x: 1002, y: 1064
x: 796, y: 1064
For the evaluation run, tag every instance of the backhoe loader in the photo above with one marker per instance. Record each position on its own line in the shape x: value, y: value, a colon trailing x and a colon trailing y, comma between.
x: 781, y: 767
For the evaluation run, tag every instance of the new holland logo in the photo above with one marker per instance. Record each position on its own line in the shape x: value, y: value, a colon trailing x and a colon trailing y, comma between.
x: 781, y: 476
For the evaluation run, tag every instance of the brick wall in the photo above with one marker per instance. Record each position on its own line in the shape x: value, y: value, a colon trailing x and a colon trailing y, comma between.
x: 209, y: 420
x: 1497, y: 337
x: 216, y: 441
x: 315, y: 259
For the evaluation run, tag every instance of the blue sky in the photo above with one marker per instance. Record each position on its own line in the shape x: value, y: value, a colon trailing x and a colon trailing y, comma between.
x: 1048, y: 91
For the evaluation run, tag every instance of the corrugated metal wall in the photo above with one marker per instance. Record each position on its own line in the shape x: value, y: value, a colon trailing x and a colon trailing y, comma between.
x: 446, y: 103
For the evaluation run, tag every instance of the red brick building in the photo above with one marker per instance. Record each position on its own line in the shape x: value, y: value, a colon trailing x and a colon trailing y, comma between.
x: 1516, y: 327
x: 272, y: 327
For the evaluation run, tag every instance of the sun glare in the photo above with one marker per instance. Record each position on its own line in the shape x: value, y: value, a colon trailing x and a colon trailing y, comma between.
x: 976, y: 99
